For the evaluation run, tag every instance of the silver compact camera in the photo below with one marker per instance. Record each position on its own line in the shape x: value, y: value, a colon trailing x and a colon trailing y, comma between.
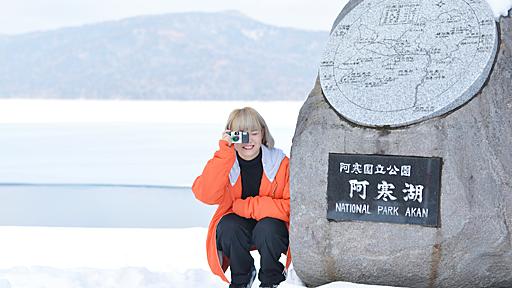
x: 239, y: 137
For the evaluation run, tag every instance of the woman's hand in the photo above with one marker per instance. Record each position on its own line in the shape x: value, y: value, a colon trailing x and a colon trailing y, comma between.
x: 226, y: 137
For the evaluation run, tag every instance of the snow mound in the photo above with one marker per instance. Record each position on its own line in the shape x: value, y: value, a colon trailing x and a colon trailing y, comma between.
x: 500, y: 7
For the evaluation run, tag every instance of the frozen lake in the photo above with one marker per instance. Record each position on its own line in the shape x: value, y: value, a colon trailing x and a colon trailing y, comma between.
x: 114, y: 163
x: 101, y: 206
x: 120, y: 142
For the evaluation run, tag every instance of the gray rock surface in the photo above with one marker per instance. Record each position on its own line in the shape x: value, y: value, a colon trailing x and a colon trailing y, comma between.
x: 473, y: 247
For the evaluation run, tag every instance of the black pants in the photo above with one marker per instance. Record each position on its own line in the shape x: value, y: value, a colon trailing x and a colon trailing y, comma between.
x: 235, y: 237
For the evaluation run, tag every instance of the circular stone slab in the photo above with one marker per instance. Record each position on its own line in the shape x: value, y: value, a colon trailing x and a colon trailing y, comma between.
x: 399, y: 62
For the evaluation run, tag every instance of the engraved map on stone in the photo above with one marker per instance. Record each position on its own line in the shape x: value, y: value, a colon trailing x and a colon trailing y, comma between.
x: 398, y: 62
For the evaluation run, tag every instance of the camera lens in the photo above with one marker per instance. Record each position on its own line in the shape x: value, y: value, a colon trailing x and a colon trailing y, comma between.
x: 235, y: 138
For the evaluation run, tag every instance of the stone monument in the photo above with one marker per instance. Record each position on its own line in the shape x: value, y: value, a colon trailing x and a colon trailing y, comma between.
x: 401, y: 163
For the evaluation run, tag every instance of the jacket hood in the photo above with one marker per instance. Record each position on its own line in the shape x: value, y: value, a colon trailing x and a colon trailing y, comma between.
x: 271, y: 160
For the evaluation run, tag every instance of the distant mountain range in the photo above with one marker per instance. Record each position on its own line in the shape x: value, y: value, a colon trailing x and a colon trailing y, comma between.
x: 185, y: 56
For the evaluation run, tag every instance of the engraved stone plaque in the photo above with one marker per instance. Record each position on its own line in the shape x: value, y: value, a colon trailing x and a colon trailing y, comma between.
x: 398, y: 62
x: 384, y: 188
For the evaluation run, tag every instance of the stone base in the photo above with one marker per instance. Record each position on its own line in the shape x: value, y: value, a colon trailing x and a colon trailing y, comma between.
x: 473, y: 246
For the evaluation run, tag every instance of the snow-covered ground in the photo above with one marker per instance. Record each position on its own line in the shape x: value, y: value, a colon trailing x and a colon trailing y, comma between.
x: 33, y: 257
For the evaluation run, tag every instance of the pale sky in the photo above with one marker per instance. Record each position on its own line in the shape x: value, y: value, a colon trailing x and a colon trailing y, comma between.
x: 39, y: 15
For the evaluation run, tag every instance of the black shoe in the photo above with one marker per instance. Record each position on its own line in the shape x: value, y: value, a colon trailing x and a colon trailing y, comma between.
x: 248, y: 285
x: 262, y: 285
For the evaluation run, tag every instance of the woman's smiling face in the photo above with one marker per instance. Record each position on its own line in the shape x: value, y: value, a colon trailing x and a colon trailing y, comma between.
x: 249, y: 151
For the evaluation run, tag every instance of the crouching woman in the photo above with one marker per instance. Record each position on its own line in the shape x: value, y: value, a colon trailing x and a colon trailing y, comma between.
x: 250, y: 183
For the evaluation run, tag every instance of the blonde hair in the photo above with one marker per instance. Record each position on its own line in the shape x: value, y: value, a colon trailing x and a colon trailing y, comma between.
x: 248, y: 119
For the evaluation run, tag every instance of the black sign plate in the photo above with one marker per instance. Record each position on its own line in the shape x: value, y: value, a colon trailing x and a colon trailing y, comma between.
x: 382, y: 188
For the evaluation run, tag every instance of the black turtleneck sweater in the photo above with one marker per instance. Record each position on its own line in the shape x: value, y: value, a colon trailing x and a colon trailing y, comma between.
x: 251, y: 172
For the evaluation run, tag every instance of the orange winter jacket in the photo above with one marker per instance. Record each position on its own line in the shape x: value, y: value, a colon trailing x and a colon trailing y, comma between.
x: 221, y: 184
